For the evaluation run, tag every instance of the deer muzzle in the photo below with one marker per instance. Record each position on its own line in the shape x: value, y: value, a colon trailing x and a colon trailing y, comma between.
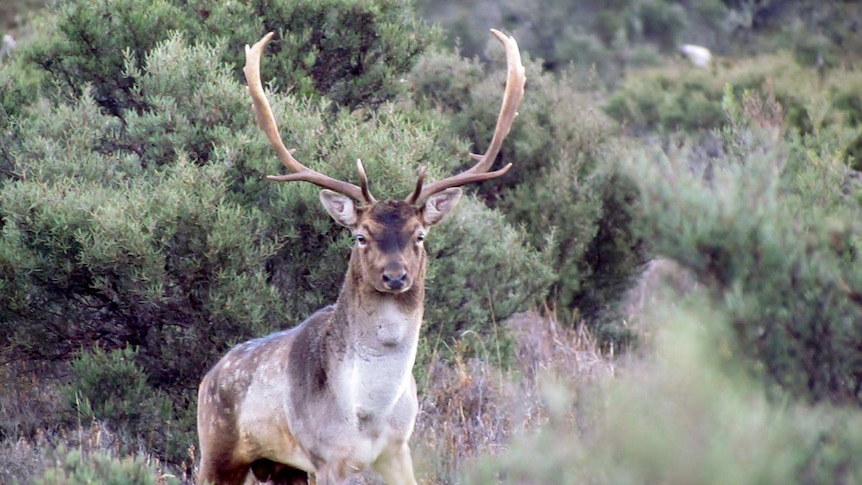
x: 394, y: 278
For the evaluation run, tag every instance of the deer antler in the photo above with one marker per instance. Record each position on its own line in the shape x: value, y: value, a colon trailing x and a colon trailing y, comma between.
x: 266, y: 122
x: 508, y: 111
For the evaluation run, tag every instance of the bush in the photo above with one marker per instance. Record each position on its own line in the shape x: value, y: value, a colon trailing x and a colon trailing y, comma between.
x: 495, y: 274
x: 19, y: 86
x: 660, y: 22
x: 818, y: 33
x: 97, y: 247
x: 353, y: 52
x: 91, y: 40
x: 667, y: 100
x: 110, y: 387
x: 348, y: 51
x: 684, y: 98
x: 561, y: 189
x: 445, y: 80
x: 588, y: 34
x: 775, y: 242
x: 601, y: 39
x: 78, y: 468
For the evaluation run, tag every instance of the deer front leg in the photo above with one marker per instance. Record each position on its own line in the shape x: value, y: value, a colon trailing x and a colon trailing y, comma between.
x: 396, y: 466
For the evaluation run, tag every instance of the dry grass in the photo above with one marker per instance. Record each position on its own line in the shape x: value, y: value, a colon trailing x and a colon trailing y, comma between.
x: 471, y: 410
x: 28, y: 405
x: 35, y: 433
x: 23, y: 459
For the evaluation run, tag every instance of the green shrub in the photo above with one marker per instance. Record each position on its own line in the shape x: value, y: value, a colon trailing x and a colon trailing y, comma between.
x: 661, y: 22
x: 684, y: 98
x: 353, y: 52
x: 443, y: 79
x: 19, y: 86
x: 110, y: 387
x: 79, y: 468
x: 138, y: 256
x: 668, y: 100
x: 603, y: 40
x: 845, y: 109
x: 776, y: 241
x: 589, y: 34
x: 561, y: 188
x: 819, y: 34
x: 495, y: 274
x: 348, y: 51
x: 91, y: 39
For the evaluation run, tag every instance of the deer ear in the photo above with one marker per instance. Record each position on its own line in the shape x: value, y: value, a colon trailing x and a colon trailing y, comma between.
x: 340, y: 207
x: 438, y: 205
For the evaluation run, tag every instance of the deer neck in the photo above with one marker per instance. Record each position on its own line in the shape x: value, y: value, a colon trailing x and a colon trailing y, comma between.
x: 376, y: 321
x: 378, y: 335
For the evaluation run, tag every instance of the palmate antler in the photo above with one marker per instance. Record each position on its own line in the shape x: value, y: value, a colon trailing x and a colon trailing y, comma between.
x: 508, y: 111
x: 515, y: 81
x: 266, y: 122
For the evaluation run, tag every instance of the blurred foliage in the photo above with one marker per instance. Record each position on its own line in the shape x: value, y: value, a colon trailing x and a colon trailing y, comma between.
x: 613, y: 38
x: 688, y: 414
x: 686, y: 99
x: 768, y: 230
x: 680, y: 99
x: 15, y: 13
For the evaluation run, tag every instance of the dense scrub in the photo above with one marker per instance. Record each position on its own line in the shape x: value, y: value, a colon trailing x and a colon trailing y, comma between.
x: 140, y: 239
x: 608, y: 39
x: 563, y: 149
x: 773, y: 234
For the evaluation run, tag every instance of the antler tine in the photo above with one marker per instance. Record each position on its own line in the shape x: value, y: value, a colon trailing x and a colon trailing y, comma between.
x: 266, y: 122
x: 515, y: 81
x: 414, y: 196
x: 366, y: 194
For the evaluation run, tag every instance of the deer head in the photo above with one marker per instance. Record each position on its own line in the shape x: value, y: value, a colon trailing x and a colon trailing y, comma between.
x: 389, y: 234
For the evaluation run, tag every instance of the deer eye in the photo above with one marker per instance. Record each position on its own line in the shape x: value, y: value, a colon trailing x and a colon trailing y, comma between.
x: 420, y: 237
x: 361, y: 240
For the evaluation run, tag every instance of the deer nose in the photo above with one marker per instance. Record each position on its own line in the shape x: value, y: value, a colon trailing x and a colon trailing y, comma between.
x: 395, y: 279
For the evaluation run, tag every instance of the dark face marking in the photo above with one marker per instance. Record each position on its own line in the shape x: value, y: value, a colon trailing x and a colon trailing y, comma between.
x: 393, y: 229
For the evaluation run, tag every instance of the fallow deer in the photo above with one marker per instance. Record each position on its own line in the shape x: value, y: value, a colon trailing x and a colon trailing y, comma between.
x: 335, y: 395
